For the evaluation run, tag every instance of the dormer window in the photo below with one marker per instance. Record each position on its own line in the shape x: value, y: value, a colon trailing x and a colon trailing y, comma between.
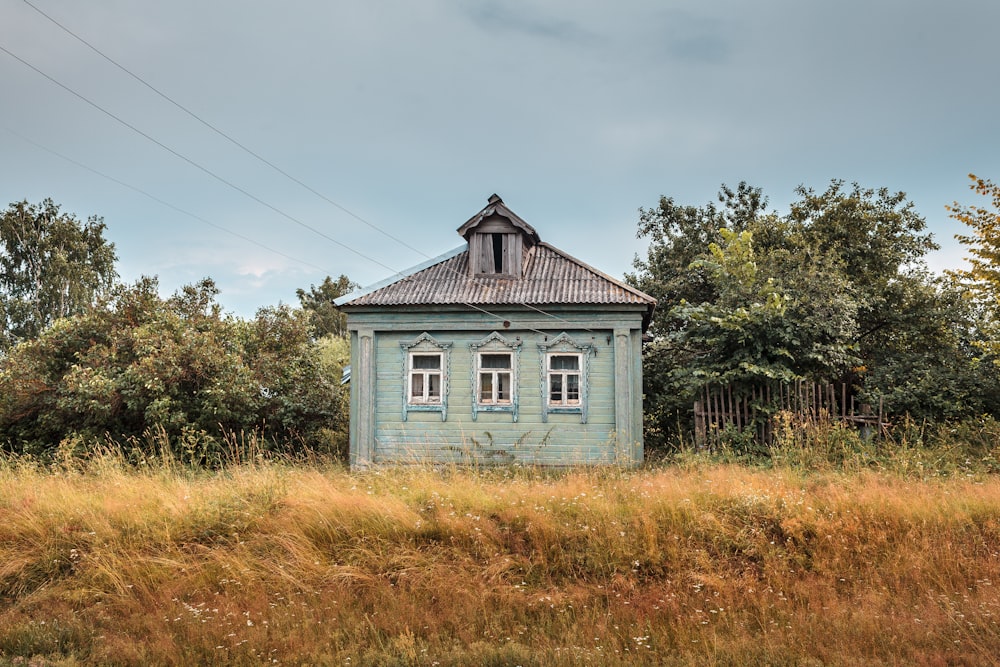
x: 498, y: 254
x: 495, y: 253
x: 499, y: 241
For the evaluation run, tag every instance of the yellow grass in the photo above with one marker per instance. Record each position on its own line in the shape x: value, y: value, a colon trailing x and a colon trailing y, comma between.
x: 287, y: 564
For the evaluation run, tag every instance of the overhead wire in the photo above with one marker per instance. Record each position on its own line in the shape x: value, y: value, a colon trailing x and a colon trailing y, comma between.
x: 163, y: 202
x: 246, y: 149
x: 207, y: 171
x: 251, y: 152
x: 221, y: 133
x: 227, y: 182
x: 191, y: 162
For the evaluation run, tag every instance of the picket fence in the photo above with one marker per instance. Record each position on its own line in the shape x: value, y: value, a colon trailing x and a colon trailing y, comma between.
x: 721, y: 408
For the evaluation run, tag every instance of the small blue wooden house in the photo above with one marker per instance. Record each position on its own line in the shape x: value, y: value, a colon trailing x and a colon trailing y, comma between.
x: 504, y: 350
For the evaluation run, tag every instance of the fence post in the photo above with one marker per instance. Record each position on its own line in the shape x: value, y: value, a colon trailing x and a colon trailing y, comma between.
x: 700, y: 438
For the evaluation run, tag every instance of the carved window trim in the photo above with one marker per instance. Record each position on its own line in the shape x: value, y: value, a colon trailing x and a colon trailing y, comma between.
x: 425, y: 345
x: 563, y: 344
x: 495, y: 344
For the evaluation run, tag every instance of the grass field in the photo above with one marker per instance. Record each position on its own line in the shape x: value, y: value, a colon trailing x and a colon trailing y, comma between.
x: 697, y: 563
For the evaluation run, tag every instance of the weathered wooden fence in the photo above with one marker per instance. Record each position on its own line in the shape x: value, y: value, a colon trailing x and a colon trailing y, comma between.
x: 719, y: 409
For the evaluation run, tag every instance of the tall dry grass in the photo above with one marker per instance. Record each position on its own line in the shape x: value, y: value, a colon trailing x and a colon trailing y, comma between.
x: 105, y: 563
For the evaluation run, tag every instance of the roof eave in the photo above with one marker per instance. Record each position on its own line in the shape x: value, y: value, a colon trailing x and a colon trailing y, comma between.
x: 365, y: 291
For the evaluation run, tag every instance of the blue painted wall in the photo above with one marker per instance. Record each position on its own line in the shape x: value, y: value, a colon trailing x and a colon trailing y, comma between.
x: 384, y: 431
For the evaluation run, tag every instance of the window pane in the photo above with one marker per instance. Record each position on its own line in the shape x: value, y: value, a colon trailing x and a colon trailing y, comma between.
x: 572, y: 388
x: 564, y: 362
x: 485, y: 387
x: 494, y: 361
x: 427, y: 361
x: 503, y: 387
x: 433, y: 387
x: 555, y: 388
x: 417, y: 386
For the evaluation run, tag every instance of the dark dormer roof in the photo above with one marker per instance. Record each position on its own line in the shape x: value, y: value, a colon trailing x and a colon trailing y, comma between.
x: 496, y: 207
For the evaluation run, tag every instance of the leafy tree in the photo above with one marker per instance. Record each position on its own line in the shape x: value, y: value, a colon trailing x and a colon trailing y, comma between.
x: 679, y: 235
x: 138, y: 365
x: 982, y: 278
x: 836, y: 289
x: 51, y: 266
x: 318, y: 302
x: 932, y: 366
x: 743, y: 298
x: 742, y: 334
x: 879, y: 241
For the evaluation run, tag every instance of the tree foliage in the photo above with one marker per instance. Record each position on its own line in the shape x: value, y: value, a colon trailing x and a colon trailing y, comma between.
x: 51, y: 266
x: 138, y: 365
x: 834, y: 290
x: 766, y: 321
x: 982, y: 278
x: 324, y: 317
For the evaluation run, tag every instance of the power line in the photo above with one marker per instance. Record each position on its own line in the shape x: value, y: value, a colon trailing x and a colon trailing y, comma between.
x: 163, y: 201
x: 237, y: 143
x: 198, y: 166
x: 222, y: 134
x: 180, y: 210
x: 233, y: 185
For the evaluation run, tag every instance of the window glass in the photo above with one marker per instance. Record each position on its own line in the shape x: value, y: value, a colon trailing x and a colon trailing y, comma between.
x: 503, y: 387
x: 572, y: 388
x: 564, y: 362
x: 425, y: 378
x: 555, y: 388
x: 485, y: 387
x: 564, y: 380
x: 434, y: 388
x: 426, y: 361
x: 494, y: 361
x: 495, y: 378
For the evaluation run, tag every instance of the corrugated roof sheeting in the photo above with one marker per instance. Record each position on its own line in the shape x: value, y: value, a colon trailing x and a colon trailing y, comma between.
x: 550, y: 277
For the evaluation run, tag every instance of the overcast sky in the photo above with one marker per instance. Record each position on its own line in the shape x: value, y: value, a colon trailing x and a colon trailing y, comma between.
x: 408, y: 115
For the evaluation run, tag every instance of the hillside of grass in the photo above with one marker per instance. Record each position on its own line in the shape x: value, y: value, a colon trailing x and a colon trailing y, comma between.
x: 693, y: 563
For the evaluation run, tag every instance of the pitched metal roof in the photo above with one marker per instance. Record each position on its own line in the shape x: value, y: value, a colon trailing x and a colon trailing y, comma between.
x: 550, y: 277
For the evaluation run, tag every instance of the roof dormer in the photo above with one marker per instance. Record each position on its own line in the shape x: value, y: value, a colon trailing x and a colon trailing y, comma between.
x: 499, y: 241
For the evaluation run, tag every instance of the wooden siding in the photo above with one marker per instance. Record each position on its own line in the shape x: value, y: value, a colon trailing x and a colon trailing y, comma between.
x: 609, y: 431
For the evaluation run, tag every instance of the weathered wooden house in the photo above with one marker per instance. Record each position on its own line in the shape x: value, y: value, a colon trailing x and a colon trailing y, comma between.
x: 505, y: 350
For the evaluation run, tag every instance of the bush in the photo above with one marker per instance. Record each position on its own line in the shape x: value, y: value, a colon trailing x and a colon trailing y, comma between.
x: 143, y: 369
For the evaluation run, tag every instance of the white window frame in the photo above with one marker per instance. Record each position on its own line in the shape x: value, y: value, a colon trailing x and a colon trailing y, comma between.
x: 564, y: 345
x: 564, y: 374
x: 495, y: 344
x: 425, y: 346
x: 426, y: 373
x: 494, y: 373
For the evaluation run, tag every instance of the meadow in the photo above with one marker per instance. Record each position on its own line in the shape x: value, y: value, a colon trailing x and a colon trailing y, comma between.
x: 698, y: 560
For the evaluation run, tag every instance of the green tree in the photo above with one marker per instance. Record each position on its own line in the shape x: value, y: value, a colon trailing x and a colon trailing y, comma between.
x: 982, y: 278
x: 878, y: 240
x: 932, y: 366
x: 324, y: 317
x: 51, y: 266
x: 678, y: 236
x: 743, y: 297
x: 139, y: 365
x: 836, y: 289
x: 742, y: 334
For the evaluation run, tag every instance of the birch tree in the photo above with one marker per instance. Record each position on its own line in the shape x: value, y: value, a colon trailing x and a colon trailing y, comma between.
x: 51, y: 266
